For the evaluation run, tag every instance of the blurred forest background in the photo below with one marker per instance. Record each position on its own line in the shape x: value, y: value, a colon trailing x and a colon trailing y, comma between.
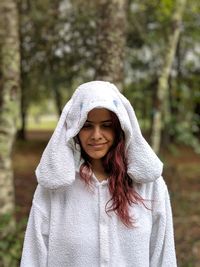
x: 149, y: 49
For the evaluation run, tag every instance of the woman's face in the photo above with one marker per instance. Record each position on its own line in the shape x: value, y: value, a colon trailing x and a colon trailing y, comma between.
x: 97, y: 135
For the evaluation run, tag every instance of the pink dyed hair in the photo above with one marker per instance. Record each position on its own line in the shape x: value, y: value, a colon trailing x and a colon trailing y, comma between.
x: 121, y: 187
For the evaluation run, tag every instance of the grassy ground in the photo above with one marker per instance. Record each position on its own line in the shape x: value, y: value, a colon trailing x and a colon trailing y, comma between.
x: 182, y: 175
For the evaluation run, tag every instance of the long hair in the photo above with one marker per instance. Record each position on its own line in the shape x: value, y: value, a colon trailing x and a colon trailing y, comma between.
x: 121, y: 187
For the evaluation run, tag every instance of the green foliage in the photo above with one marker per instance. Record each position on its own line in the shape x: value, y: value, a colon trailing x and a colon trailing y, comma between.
x: 11, y: 239
x: 56, y: 45
x: 148, y: 29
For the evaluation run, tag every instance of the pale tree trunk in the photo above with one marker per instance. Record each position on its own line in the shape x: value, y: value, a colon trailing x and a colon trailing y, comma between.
x: 9, y: 99
x: 111, y: 39
x: 162, y: 90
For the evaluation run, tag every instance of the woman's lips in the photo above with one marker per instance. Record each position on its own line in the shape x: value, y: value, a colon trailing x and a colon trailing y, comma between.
x: 97, y: 145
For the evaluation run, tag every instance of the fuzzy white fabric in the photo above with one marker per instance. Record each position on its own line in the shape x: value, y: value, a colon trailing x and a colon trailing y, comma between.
x: 68, y: 225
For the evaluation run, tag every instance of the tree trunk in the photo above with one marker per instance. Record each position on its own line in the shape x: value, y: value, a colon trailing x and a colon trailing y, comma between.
x: 22, y: 10
x: 111, y: 39
x: 162, y: 90
x: 23, y: 112
x: 9, y: 98
x: 58, y: 99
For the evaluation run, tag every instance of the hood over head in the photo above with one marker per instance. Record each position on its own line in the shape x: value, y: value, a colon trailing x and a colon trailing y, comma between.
x: 61, y: 157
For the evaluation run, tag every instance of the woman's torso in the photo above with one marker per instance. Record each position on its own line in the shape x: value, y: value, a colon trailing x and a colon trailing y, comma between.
x: 82, y: 234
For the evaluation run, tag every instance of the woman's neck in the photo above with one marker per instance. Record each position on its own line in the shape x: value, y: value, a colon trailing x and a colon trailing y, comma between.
x: 98, y: 169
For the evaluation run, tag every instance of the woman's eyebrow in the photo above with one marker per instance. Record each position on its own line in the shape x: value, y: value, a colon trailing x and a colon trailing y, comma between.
x: 100, y: 121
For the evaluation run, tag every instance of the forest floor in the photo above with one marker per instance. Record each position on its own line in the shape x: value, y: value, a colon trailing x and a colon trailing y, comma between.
x: 181, y: 173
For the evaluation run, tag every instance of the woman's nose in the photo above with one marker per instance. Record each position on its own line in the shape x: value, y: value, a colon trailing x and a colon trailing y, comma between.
x: 96, y: 134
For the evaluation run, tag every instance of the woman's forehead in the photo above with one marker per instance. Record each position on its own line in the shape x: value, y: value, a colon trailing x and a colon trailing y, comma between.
x: 99, y: 114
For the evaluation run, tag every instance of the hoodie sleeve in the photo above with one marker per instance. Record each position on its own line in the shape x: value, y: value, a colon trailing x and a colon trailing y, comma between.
x: 35, y: 247
x: 162, y: 249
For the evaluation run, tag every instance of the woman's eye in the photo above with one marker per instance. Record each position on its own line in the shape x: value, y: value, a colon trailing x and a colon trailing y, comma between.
x: 87, y: 125
x: 107, y: 125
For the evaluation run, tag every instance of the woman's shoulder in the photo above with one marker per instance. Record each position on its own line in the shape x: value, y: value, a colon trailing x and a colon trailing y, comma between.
x: 42, y: 199
x: 152, y: 190
x: 159, y: 185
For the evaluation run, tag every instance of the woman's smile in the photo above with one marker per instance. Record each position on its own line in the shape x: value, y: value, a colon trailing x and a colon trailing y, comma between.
x: 101, y: 145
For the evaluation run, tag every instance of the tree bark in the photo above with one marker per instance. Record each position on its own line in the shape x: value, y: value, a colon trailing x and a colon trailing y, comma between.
x: 23, y: 111
x: 58, y: 99
x: 9, y: 98
x: 111, y: 39
x: 162, y: 90
x: 22, y: 10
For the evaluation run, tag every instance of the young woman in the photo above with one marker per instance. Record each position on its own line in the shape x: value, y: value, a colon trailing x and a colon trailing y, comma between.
x: 101, y: 199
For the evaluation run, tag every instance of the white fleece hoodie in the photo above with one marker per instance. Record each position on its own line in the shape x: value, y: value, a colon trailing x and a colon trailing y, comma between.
x: 68, y: 225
